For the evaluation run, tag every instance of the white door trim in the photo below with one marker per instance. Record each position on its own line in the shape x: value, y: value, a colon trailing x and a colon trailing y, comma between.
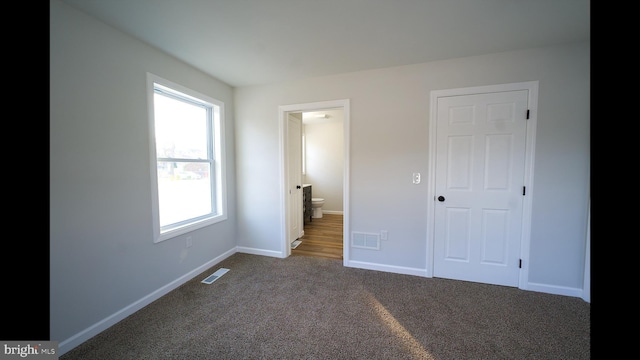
x: 283, y: 111
x: 532, y: 87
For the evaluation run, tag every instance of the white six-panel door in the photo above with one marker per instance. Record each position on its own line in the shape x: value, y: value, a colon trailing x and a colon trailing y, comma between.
x: 479, y: 183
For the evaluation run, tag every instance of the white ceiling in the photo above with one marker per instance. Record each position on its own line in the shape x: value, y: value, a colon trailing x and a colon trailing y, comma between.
x: 251, y: 42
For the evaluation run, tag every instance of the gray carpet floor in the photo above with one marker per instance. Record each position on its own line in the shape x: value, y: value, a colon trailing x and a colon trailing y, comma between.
x: 315, y: 308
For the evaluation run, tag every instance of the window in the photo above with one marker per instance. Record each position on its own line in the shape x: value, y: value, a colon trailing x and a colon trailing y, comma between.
x: 187, y: 142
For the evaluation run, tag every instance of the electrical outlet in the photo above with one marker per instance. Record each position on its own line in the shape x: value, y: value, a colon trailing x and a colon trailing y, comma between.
x: 384, y: 234
x: 189, y: 241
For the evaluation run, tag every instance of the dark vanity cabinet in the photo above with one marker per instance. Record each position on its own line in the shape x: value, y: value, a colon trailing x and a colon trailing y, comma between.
x: 306, y: 203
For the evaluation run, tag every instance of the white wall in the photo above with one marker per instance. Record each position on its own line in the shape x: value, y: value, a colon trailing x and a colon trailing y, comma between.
x: 103, y: 261
x: 325, y: 163
x: 389, y: 141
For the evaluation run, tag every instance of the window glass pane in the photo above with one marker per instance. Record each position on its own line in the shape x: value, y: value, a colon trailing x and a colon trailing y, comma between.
x: 188, y: 138
x: 184, y: 191
x: 180, y: 127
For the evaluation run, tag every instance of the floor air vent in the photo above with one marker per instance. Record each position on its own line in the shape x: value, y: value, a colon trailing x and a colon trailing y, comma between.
x: 215, y: 276
x: 365, y: 240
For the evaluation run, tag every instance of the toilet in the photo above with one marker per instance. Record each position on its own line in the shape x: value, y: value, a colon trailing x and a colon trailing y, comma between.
x: 316, y: 205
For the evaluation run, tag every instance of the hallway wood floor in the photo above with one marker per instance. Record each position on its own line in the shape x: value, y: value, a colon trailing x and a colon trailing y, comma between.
x: 322, y: 237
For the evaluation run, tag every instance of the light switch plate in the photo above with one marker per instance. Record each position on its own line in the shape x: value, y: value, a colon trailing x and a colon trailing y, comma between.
x: 416, y: 178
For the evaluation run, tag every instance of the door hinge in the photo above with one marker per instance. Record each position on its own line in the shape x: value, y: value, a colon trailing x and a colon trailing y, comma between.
x: 524, y: 190
x: 520, y: 265
x: 527, y: 114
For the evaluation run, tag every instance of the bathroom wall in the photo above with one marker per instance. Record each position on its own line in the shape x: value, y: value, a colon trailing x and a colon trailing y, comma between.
x: 324, y: 142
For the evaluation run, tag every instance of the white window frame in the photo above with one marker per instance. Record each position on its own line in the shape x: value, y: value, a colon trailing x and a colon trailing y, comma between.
x: 218, y: 166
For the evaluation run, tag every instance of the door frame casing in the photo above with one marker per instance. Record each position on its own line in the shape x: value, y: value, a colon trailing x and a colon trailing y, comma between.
x: 283, y: 112
x: 532, y: 105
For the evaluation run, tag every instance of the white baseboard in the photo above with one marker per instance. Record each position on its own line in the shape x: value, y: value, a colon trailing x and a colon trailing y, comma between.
x: 255, y: 251
x: 387, y: 268
x: 554, y: 289
x: 102, y: 325
x: 95, y: 329
x: 537, y: 287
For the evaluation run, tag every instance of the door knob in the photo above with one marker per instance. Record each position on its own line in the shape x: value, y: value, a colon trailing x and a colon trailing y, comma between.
x: 440, y: 198
x: 297, y: 186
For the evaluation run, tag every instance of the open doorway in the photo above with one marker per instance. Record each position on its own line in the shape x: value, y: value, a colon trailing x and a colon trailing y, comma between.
x: 291, y: 195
